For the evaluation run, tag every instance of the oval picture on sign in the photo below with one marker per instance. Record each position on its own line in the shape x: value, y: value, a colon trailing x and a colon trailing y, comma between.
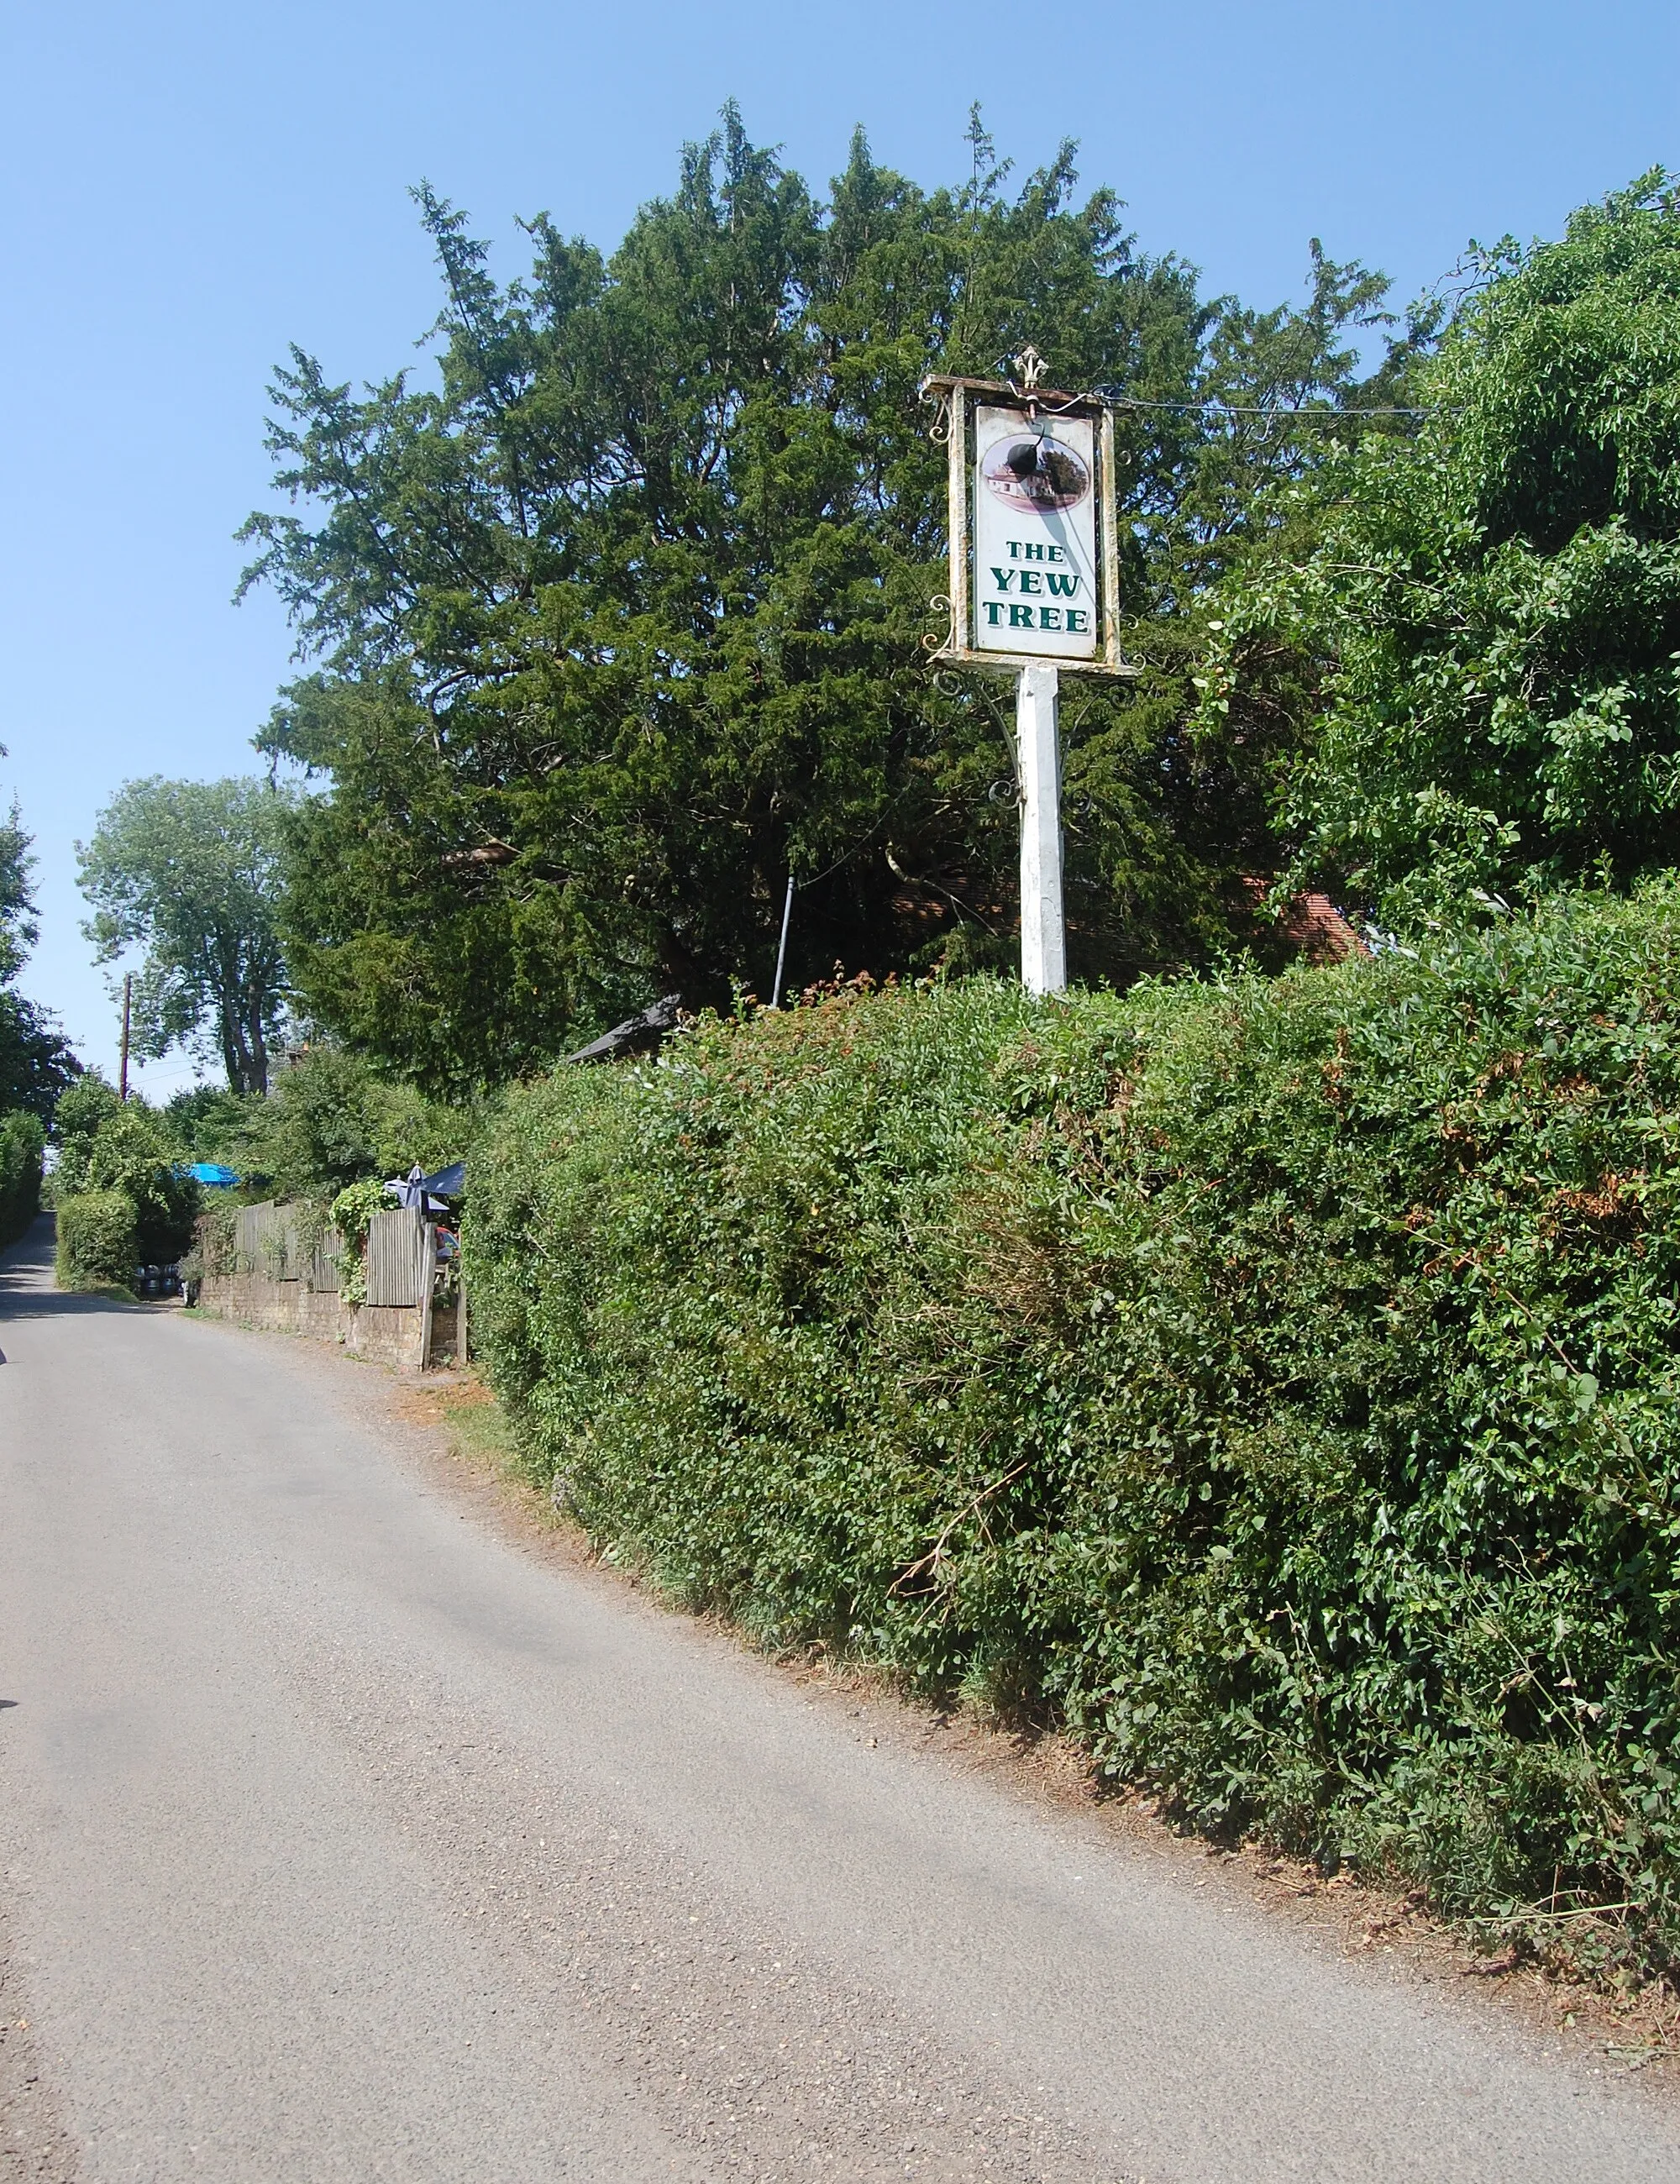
x: 1035, y: 472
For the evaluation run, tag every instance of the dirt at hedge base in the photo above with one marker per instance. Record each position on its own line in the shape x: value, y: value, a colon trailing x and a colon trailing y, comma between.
x: 455, y: 1429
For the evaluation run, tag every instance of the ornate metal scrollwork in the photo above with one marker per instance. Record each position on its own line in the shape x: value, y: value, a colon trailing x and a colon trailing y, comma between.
x: 939, y: 604
x: 939, y: 432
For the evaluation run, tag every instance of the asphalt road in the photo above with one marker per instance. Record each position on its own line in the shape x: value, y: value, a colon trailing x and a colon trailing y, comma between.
x: 343, y: 1840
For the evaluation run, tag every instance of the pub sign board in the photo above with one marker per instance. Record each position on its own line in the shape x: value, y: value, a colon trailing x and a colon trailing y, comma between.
x: 1036, y: 586
x: 1034, y: 557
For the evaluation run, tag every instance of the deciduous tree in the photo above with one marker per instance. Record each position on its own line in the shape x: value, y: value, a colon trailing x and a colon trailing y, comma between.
x: 189, y: 871
x: 1477, y: 655
x: 35, y: 1061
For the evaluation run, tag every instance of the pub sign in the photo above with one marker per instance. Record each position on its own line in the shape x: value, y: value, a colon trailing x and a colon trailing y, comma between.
x: 1036, y: 582
x: 1034, y: 557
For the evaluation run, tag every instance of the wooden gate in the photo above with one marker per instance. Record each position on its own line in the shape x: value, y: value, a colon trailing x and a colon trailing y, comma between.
x: 399, y: 1256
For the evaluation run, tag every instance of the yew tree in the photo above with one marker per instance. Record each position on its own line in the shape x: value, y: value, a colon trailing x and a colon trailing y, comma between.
x: 620, y: 616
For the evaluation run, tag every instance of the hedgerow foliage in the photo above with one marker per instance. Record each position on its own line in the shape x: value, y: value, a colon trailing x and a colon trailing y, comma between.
x: 98, y: 1247
x: 109, y: 1150
x: 1277, y: 1378
x: 21, y: 1138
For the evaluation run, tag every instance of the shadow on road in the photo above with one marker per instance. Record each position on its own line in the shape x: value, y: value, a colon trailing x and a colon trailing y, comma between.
x: 26, y: 1286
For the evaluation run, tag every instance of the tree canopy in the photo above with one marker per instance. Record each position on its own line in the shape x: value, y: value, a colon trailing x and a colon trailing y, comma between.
x: 622, y: 620
x: 329, y: 1119
x: 1477, y: 657
x: 190, y: 872
x: 110, y: 1145
x: 35, y: 1061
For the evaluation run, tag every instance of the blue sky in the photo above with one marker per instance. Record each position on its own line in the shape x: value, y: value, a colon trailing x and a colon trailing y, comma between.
x: 188, y: 188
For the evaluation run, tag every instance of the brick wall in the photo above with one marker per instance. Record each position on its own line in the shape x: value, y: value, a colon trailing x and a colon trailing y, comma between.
x: 391, y: 1333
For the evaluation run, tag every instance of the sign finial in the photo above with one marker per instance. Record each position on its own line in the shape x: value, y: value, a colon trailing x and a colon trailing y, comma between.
x: 1029, y: 369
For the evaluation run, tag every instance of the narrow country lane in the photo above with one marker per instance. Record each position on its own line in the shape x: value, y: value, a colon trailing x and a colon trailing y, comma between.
x: 342, y: 1839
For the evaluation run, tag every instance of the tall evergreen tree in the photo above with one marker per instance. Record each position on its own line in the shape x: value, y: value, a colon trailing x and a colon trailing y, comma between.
x: 624, y: 618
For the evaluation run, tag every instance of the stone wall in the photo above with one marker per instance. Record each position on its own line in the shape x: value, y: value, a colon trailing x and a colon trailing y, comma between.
x: 446, y: 1340
x: 389, y: 1333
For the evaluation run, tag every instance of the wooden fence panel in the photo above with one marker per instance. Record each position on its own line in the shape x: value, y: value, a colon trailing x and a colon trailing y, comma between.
x: 321, y: 1273
x: 249, y: 1230
x: 270, y: 1241
x: 397, y: 1274
x: 267, y: 1242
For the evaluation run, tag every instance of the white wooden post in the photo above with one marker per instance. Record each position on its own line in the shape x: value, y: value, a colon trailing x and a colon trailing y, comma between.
x: 428, y: 1252
x: 1043, y: 938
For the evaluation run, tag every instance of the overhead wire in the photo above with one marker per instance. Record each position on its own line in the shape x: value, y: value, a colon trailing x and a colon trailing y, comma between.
x: 1107, y: 392
x: 1316, y: 410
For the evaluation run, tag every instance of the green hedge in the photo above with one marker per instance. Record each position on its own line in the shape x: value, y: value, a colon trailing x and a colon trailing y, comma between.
x: 1274, y: 1379
x: 21, y: 1140
x: 97, y: 1242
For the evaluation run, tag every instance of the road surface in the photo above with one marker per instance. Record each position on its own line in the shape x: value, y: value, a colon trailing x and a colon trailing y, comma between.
x: 341, y: 1839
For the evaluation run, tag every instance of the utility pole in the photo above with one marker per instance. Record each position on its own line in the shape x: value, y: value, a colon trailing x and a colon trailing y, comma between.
x: 781, y: 952
x: 128, y: 1005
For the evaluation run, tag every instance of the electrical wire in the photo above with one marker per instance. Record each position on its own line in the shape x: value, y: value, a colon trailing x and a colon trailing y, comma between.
x: 862, y: 843
x: 1117, y: 401
x: 1108, y: 393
